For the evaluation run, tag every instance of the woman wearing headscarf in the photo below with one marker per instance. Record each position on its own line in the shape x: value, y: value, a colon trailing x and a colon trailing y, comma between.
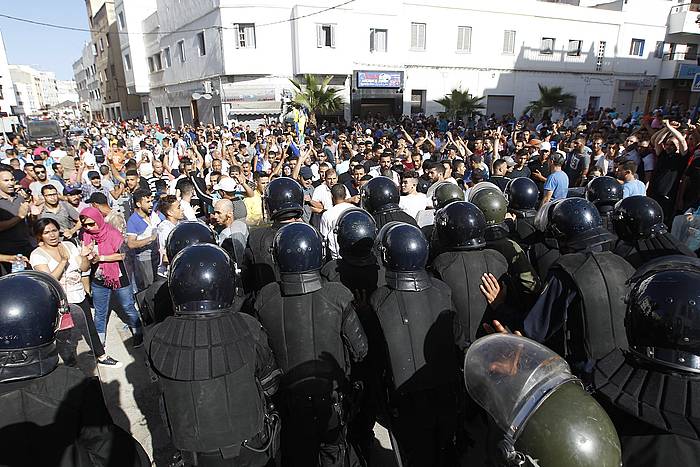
x: 108, y: 275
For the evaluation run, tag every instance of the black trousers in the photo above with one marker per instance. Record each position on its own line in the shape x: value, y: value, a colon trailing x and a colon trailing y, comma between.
x: 424, y: 424
x: 312, y: 432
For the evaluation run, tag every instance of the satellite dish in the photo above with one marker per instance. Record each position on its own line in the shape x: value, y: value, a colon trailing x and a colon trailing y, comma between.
x: 206, y: 96
x: 196, y: 96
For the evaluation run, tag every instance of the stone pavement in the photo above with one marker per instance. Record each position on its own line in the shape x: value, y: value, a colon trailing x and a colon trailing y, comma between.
x: 132, y: 399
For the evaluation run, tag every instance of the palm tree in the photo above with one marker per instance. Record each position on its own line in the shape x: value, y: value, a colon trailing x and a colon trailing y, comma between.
x: 551, y: 98
x: 316, y: 97
x: 460, y: 103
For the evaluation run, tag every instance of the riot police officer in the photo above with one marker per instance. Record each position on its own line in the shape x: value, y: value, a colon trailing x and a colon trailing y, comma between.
x: 154, y: 302
x: 545, y: 250
x: 359, y: 270
x: 313, y: 326
x: 653, y: 404
x: 214, y: 366
x: 420, y: 334
x: 643, y: 236
x: 284, y: 201
x: 490, y: 200
x: 443, y: 194
x: 580, y: 313
x: 543, y: 413
x: 604, y: 192
x: 380, y: 197
x: 522, y: 196
x: 459, y: 229
x: 51, y: 414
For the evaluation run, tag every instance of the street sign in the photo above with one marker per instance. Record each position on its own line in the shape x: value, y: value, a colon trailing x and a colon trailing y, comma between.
x: 696, y: 83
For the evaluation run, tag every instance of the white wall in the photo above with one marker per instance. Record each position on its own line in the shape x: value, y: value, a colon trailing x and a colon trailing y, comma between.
x: 8, y: 91
x: 134, y: 13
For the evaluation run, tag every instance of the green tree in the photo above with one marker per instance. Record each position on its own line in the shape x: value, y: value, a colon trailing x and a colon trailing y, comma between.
x: 316, y: 96
x: 552, y: 98
x: 460, y: 104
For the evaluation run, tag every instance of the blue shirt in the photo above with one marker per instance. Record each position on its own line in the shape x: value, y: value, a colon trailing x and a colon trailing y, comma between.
x: 558, y: 184
x: 633, y: 188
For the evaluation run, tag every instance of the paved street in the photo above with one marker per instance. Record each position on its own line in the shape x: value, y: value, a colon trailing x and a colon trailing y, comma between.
x: 131, y: 396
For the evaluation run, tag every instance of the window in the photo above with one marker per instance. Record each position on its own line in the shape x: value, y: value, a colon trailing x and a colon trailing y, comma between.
x: 245, y: 35
x: 150, y: 65
x: 377, y: 40
x: 120, y: 16
x: 201, y: 45
x: 417, y: 36
x: 166, y: 57
x: 94, y: 49
x: 547, y: 46
x: 691, y: 52
x: 157, y: 62
x: 464, y: 39
x: 181, y: 51
x: 417, y: 101
x: 102, y: 45
x: 574, y: 48
x: 637, y: 47
x: 659, y: 49
x: 325, y: 35
x: 509, y: 42
x: 113, y: 71
x: 127, y: 61
x: 600, y: 56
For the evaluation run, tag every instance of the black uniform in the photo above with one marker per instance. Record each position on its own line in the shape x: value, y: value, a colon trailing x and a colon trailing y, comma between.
x: 420, y: 337
x: 393, y: 215
x: 605, y: 214
x: 315, y: 334
x: 214, y: 365
x: 642, y: 251
x: 258, y: 268
x: 581, y: 311
x: 51, y: 414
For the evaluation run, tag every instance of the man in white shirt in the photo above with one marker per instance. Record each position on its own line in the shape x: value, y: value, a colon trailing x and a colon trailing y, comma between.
x: 58, y: 151
x: 322, y: 193
x: 412, y: 201
x: 384, y: 164
x: 329, y: 219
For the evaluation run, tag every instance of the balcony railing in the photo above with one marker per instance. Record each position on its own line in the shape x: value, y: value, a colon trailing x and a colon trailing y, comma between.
x: 680, y: 56
x: 685, y: 7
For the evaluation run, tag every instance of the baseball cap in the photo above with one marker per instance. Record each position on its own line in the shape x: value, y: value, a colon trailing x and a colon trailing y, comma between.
x: 72, y: 189
x: 509, y: 161
x: 535, y: 142
x: 97, y: 198
x: 306, y: 173
x: 545, y: 146
x: 89, y: 159
x: 226, y: 184
x: 558, y: 157
x: 93, y: 174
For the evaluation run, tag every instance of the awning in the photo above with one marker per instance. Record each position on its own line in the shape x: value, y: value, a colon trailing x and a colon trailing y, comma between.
x: 250, y: 100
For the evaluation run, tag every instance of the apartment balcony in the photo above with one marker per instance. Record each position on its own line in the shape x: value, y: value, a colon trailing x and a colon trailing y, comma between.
x: 679, y: 65
x: 683, y: 19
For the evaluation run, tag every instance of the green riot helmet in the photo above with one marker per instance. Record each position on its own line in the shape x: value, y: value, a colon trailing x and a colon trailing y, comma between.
x: 445, y: 193
x: 547, y: 418
x: 482, y: 187
x: 492, y: 203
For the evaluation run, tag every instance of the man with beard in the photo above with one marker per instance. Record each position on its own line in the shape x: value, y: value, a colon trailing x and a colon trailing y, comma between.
x: 14, y: 234
x: 66, y: 215
x: 41, y: 181
x: 141, y: 238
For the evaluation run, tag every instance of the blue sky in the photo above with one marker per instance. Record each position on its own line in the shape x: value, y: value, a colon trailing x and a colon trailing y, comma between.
x: 42, y: 47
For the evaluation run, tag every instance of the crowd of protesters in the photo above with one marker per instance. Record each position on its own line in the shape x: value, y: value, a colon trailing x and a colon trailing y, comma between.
x: 96, y: 213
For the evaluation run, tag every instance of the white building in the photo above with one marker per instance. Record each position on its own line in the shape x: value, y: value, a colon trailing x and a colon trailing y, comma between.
x: 66, y: 90
x: 38, y: 88
x: 211, y: 60
x: 8, y: 99
x: 87, y: 83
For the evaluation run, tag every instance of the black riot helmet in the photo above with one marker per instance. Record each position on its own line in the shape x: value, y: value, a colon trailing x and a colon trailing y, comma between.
x: 284, y: 199
x: 604, y: 191
x: 663, y: 312
x: 201, y: 280
x: 356, y: 232
x: 403, y: 247
x: 572, y: 217
x: 638, y: 218
x: 445, y: 193
x: 522, y: 194
x: 460, y: 226
x: 29, y: 316
x: 545, y: 415
x: 188, y: 233
x: 297, y: 248
x: 379, y: 194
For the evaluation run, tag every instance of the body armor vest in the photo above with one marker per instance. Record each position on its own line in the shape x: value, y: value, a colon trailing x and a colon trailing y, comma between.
x: 462, y: 271
x: 213, y: 401
x: 600, y: 279
x: 393, y: 215
x: 643, y: 251
x: 418, y: 328
x: 305, y: 333
x: 260, y: 269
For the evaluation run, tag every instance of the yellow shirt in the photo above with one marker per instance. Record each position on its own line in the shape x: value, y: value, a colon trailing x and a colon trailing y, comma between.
x: 254, y: 208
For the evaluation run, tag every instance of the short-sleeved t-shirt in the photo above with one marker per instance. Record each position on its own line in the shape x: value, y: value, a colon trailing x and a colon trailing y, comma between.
x: 16, y: 239
x: 633, y: 188
x: 137, y: 227
x: 558, y: 184
x: 71, y: 277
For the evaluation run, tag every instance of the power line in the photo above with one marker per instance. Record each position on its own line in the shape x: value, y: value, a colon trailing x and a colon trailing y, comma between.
x: 72, y: 28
